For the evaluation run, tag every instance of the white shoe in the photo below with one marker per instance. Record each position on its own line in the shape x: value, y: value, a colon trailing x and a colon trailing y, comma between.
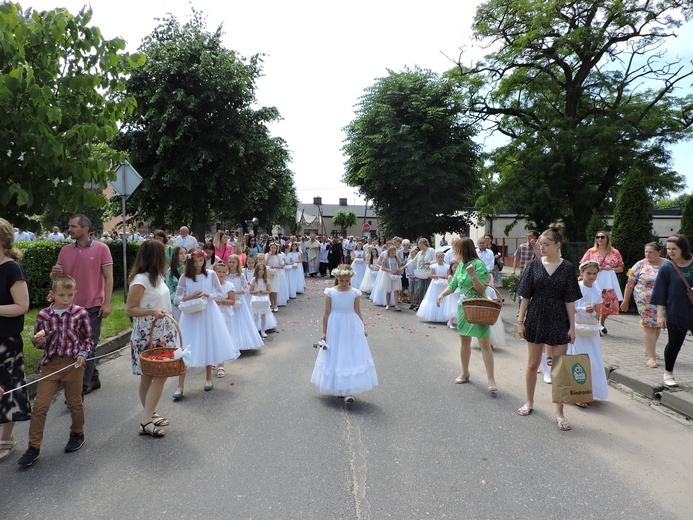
x: 348, y: 399
x: 547, y: 379
x: 669, y: 380
x: 263, y: 335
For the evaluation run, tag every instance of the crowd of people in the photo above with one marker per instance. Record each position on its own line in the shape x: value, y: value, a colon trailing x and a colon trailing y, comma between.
x: 224, y: 293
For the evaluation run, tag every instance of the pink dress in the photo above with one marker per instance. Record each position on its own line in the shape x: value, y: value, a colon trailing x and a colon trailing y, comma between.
x: 606, y: 279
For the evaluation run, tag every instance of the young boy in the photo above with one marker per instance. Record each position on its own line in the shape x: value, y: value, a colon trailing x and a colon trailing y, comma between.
x: 64, y: 333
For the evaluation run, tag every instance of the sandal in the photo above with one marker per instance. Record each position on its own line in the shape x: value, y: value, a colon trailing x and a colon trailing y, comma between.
x: 581, y: 405
x: 524, y: 410
x: 159, y: 421
x: 9, y: 446
x: 221, y: 372
x: 562, y: 424
x: 153, y: 430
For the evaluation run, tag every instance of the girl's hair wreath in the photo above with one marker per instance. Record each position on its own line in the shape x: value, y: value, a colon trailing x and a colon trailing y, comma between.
x: 342, y: 272
x: 589, y: 263
x: 196, y: 254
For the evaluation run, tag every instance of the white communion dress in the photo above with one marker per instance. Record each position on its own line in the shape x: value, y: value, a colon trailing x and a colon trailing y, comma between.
x: 346, y: 367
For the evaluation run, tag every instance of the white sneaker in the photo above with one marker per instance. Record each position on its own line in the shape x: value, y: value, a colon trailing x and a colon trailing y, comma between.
x: 547, y: 379
x: 669, y: 380
x: 263, y: 335
x: 348, y: 399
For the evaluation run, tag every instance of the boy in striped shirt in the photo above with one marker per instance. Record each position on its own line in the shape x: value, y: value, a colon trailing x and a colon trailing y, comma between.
x: 64, y: 333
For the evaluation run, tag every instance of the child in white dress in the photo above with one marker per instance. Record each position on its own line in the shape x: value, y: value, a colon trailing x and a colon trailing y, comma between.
x: 358, y: 264
x: 260, y: 290
x: 429, y: 309
x: 297, y: 270
x: 288, y: 271
x: 226, y: 305
x: 389, y: 280
x: 275, y: 268
x: 451, y: 300
x: 587, y: 329
x: 346, y: 366
x: 370, y: 274
x: 245, y: 332
x: 205, y: 331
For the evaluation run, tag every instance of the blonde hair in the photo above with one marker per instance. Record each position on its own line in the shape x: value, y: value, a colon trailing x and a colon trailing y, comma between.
x: 7, y: 240
x: 239, y: 269
x: 63, y: 281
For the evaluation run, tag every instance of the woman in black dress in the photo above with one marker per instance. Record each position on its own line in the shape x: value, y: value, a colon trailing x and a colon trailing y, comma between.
x: 14, y: 303
x: 549, y: 290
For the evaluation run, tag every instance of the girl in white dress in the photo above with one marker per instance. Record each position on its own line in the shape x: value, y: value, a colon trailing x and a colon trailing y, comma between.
x: 248, y: 273
x: 390, y: 279
x: 297, y: 271
x: 260, y: 291
x: 358, y: 264
x: 205, y: 331
x: 371, y: 271
x: 451, y: 300
x: 275, y: 269
x: 346, y: 366
x: 226, y: 305
x: 428, y: 309
x: 587, y: 329
x: 244, y: 329
x: 288, y: 271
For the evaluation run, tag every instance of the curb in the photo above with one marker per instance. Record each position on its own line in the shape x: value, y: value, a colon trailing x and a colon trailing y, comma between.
x: 108, y: 346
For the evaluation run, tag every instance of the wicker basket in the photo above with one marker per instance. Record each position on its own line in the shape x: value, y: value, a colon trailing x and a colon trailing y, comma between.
x: 483, y: 310
x: 162, y: 368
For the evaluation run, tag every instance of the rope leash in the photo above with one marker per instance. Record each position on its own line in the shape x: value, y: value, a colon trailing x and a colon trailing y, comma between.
x: 65, y: 368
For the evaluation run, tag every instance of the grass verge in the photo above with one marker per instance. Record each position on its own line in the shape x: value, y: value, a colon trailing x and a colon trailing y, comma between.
x: 116, y: 323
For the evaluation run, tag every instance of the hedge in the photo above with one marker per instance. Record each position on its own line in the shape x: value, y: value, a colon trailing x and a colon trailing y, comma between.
x: 40, y: 256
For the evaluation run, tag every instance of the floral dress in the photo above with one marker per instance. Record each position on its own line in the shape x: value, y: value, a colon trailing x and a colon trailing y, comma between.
x: 641, y: 279
x: 606, y: 279
x: 154, y: 297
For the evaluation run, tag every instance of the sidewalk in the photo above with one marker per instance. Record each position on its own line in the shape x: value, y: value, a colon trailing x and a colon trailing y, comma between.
x: 624, y: 360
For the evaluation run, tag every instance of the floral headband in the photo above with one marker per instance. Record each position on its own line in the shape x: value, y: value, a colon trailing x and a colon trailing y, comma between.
x: 343, y: 272
x: 588, y: 263
x: 196, y: 254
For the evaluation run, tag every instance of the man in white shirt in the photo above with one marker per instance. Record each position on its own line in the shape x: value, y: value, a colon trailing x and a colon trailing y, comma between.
x: 21, y: 235
x: 185, y: 239
x: 485, y: 255
x: 349, y: 246
x: 56, y: 234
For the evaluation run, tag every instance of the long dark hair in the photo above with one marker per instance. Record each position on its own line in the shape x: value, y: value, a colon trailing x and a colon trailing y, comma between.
x: 174, y: 261
x: 465, y: 250
x: 190, y: 271
x: 150, y: 259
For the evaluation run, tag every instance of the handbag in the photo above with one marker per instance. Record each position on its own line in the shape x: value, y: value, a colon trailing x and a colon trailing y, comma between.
x: 572, y: 379
x: 689, y: 291
x: 194, y: 305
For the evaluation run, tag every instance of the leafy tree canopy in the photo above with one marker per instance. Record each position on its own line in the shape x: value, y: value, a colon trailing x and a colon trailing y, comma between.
x: 203, y: 150
x: 410, y: 151
x: 585, y: 91
x: 61, y: 101
x: 344, y: 219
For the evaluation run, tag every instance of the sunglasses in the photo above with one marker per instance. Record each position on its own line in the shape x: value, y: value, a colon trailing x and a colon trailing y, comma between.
x: 600, y: 237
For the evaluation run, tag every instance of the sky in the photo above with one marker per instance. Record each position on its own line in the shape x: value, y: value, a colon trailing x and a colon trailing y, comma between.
x: 319, y: 58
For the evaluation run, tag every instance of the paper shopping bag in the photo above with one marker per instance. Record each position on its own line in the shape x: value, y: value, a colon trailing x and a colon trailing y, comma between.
x: 571, y: 379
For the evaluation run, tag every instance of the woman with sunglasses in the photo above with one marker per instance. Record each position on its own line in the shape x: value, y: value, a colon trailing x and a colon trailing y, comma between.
x: 610, y: 263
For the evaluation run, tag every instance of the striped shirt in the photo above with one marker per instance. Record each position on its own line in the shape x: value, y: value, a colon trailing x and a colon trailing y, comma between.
x: 67, y: 334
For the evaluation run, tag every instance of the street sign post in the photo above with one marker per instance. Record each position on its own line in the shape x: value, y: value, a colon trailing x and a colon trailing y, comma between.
x: 126, y: 182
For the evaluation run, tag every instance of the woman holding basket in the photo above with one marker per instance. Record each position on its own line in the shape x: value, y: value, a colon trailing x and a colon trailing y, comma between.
x: 471, y: 276
x: 148, y: 303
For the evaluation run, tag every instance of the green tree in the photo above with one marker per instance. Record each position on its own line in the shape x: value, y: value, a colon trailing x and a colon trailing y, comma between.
x: 687, y: 218
x: 203, y: 150
x: 61, y: 101
x: 632, y: 219
x: 665, y: 202
x: 411, y: 153
x: 584, y: 92
x: 344, y: 219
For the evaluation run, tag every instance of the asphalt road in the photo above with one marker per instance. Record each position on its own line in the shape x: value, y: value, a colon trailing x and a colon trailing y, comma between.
x: 265, y: 445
